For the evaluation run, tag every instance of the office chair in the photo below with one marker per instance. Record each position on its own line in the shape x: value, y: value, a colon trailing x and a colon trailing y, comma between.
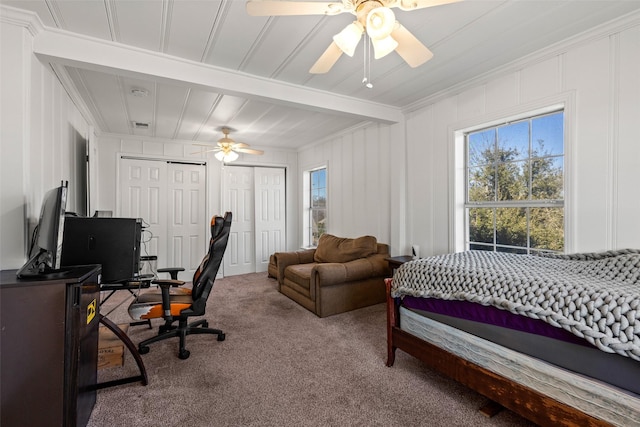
x: 177, y: 303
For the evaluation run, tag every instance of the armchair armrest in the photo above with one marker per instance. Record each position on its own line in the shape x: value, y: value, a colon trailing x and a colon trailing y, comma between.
x: 285, y: 259
x: 379, y: 264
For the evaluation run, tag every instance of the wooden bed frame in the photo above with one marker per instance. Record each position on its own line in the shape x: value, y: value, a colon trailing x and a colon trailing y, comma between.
x: 529, y: 403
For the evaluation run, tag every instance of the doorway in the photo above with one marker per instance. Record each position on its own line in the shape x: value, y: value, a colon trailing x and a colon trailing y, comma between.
x: 170, y: 198
x: 257, y: 198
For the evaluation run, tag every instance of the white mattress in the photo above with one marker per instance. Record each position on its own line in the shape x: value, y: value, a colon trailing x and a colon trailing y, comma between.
x: 593, y: 397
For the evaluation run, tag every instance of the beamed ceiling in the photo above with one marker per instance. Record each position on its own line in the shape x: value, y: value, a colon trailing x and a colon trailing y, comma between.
x: 205, y: 64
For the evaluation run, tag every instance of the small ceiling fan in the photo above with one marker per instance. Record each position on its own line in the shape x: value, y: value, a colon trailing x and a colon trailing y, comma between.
x: 373, y: 16
x: 227, y: 149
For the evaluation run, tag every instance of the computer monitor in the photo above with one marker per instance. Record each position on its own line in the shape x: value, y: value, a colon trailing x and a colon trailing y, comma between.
x: 112, y: 242
x: 46, y: 245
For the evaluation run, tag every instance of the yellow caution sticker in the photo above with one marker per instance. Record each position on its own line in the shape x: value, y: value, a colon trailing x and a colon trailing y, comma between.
x: 91, y: 310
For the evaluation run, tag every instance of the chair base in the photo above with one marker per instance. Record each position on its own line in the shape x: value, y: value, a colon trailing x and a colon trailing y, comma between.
x: 182, y: 330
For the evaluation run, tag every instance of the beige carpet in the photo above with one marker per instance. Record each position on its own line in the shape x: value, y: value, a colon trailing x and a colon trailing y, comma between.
x: 280, y: 365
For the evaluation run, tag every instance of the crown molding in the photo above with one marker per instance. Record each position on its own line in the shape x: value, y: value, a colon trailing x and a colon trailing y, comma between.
x: 602, y: 31
x: 21, y: 18
x: 32, y: 23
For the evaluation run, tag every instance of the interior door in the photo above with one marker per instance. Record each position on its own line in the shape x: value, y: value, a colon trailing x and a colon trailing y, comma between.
x: 171, y: 200
x: 239, y: 199
x: 188, y: 229
x: 143, y: 194
x: 270, y: 220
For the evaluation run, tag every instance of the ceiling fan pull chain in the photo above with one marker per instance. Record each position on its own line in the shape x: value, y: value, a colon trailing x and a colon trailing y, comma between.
x: 364, y: 62
x: 366, y: 81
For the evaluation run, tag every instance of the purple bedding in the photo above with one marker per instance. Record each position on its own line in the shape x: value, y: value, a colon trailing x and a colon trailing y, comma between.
x: 491, y: 315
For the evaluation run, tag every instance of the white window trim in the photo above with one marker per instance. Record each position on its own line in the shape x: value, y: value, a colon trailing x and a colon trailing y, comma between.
x: 457, y: 178
x: 306, y: 201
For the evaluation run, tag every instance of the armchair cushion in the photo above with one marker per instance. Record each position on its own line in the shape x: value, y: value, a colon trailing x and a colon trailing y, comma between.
x: 360, y: 269
x: 341, y: 249
x: 299, y: 276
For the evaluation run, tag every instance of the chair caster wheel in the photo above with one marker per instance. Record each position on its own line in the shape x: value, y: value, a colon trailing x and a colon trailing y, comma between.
x: 184, y: 354
x: 143, y: 349
x: 205, y: 324
x: 221, y: 337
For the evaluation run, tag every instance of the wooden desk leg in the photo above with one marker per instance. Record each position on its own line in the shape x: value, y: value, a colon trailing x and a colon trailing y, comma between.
x: 391, y: 323
x: 132, y: 349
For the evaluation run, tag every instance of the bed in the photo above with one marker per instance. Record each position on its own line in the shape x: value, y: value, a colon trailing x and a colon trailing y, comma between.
x: 554, y: 338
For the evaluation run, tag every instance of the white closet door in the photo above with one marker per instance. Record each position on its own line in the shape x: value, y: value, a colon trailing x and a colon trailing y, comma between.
x: 239, y: 199
x: 171, y: 200
x: 188, y: 230
x: 270, y: 214
x: 143, y: 194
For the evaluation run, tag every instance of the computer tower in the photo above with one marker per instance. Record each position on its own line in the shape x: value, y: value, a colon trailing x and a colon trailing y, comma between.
x: 112, y: 242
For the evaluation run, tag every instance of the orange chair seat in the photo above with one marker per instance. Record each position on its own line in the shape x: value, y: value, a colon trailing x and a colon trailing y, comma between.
x: 149, y: 304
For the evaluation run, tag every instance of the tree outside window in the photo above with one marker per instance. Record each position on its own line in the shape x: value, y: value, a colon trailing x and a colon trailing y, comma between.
x: 318, y: 204
x: 515, y: 186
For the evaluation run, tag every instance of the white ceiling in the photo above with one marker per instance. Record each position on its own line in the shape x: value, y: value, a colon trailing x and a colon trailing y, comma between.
x: 207, y: 64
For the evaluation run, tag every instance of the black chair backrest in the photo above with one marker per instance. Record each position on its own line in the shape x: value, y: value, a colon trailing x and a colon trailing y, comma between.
x: 206, y: 273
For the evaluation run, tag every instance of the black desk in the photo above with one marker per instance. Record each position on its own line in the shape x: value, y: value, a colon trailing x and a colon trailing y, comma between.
x: 122, y: 336
x: 143, y: 282
x: 49, y: 359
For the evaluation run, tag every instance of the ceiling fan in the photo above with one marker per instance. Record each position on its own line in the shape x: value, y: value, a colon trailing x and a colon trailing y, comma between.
x: 373, y: 16
x: 227, y: 149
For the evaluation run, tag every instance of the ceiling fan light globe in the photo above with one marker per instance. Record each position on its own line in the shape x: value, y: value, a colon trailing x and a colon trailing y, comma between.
x: 231, y: 156
x: 220, y: 155
x: 383, y: 47
x: 347, y: 39
x: 380, y: 23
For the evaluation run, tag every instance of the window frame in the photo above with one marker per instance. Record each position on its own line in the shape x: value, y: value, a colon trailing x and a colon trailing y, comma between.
x: 308, y: 209
x: 565, y: 102
x: 496, y: 205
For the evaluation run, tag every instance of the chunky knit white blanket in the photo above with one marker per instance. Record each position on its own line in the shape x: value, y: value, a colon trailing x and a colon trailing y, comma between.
x: 595, y: 296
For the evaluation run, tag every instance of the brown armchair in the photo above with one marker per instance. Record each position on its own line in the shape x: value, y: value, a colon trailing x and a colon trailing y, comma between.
x: 339, y: 275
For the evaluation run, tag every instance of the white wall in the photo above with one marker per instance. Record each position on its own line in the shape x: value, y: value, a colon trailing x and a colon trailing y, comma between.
x: 600, y: 75
x: 39, y: 130
x: 108, y: 148
x: 359, y: 176
x: 407, y: 198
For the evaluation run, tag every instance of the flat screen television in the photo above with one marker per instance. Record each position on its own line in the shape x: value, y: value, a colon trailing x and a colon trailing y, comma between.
x: 46, y: 245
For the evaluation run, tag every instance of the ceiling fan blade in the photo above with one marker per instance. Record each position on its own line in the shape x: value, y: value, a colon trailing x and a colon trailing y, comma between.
x: 282, y: 8
x: 419, y: 4
x: 327, y: 59
x: 203, y: 151
x: 248, y: 151
x: 239, y: 145
x: 410, y: 48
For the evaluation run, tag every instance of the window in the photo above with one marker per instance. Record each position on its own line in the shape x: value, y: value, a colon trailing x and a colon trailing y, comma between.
x: 315, y: 220
x: 514, y: 198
